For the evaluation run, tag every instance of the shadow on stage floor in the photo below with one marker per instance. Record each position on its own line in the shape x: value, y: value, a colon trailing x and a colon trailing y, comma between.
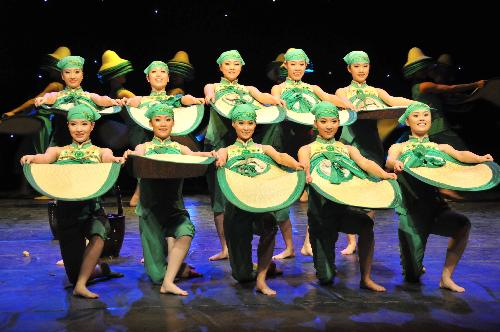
x: 33, y: 296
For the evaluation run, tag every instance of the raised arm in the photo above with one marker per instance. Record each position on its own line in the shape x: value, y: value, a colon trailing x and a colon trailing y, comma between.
x: 303, y: 155
x: 392, y: 162
x: 393, y: 101
x: 282, y: 158
x: 48, y: 157
x: 368, y: 165
x: 464, y: 156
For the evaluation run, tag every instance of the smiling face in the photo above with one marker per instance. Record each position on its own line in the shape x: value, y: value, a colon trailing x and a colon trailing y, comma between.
x: 72, y: 77
x: 296, y: 69
x: 327, y: 127
x: 158, y: 78
x: 359, y: 71
x: 230, y: 69
x: 244, y: 129
x: 80, y: 129
x: 162, y: 125
x: 419, y: 122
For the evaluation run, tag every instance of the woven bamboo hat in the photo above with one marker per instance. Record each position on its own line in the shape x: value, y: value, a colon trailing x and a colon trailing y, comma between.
x: 72, y: 182
x: 49, y: 61
x: 181, y: 66
x: 113, y: 66
x: 274, y: 71
x: 416, y: 61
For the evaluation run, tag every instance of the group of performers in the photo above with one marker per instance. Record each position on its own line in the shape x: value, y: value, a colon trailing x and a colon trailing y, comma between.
x: 258, y: 165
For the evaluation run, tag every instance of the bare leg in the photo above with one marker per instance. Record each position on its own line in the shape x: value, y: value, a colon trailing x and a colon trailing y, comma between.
x: 351, y: 245
x: 135, y: 197
x: 456, y: 247
x: 264, y: 256
x: 366, y: 246
x: 304, y: 197
x: 90, y: 258
x: 286, y: 232
x: 306, y: 247
x: 175, y: 258
x: 219, y: 225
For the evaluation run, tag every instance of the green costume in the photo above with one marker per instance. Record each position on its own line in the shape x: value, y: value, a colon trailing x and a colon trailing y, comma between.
x: 240, y: 225
x: 161, y: 213
x: 423, y: 210
x: 81, y: 219
x: 440, y: 131
x: 326, y: 218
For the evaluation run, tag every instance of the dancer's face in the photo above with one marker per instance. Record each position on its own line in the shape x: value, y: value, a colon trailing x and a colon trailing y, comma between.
x: 158, y: 78
x: 230, y: 69
x: 296, y: 69
x: 72, y: 77
x: 419, y: 122
x: 80, y: 129
x: 244, y: 129
x: 162, y: 126
x: 327, y: 126
x: 359, y: 71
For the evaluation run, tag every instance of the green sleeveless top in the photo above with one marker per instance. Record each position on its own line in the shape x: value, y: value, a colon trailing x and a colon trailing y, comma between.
x: 364, y: 96
x: 158, y: 146
x: 76, y: 96
x: 160, y: 97
x: 299, y: 96
x: 248, y: 158
x: 75, y: 153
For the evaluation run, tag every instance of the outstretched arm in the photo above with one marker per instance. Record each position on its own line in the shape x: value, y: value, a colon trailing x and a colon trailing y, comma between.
x: 187, y: 151
x: 139, y: 151
x: 209, y: 91
x: 334, y: 99
x: 265, y: 98
x: 282, y: 158
x: 188, y: 100
x: 52, y: 87
x: 133, y: 101
x: 107, y: 157
x: 393, y: 101
x: 392, y: 162
x: 48, y: 98
x: 222, y: 159
x: 430, y: 87
x: 104, y: 101
x: 303, y: 154
x: 464, y: 156
x: 368, y: 165
x: 48, y: 157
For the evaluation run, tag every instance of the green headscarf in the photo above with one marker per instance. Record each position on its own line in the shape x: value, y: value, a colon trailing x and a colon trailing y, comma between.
x: 70, y: 61
x: 243, y: 112
x: 296, y: 54
x: 155, y: 64
x: 356, y: 57
x: 325, y: 109
x: 230, y: 55
x: 411, y: 108
x: 159, y: 109
x: 83, y: 112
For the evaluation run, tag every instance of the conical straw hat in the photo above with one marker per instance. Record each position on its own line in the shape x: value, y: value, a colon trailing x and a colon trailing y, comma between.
x: 110, y: 59
x: 60, y: 52
x: 416, y: 61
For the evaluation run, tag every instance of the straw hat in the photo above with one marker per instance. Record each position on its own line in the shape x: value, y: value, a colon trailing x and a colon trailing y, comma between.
x: 50, y: 60
x: 265, y: 114
x: 271, y: 191
x: 186, y: 119
x: 274, y: 69
x: 113, y: 66
x: 72, y: 182
x: 358, y: 192
x: 169, y: 166
x: 457, y: 176
x: 416, y: 61
x: 181, y: 66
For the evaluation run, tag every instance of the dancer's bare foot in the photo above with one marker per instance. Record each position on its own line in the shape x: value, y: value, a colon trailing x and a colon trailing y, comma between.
x: 142, y: 260
x: 60, y: 262
x: 171, y: 288
x: 285, y: 254
x: 304, y: 197
x: 450, y: 285
x: 349, y: 250
x: 82, y: 291
x: 221, y: 255
x: 371, y: 285
x: 263, y: 288
x: 306, y: 250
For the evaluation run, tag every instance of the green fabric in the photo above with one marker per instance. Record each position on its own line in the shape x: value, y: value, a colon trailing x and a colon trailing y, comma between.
x: 156, y: 64
x: 159, y: 109
x: 162, y: 147
x: 417, y: 106
x: 230, y: 55
x: 325, y: 109
x: 356, y: 57
x: 161, y: 97
x: 296, y: 54
x: 243, y: 112
x: 71, y: 61
x: 339, y: 163
x: 83, y: 112
x: 296, y: 95
x: 74, y: 96
x: 422, y: 156
x: 361, y: 97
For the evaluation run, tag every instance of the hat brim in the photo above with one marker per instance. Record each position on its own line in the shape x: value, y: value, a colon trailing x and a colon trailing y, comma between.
x: 63, y: 109
x: 346, y: 117
x: 72, y: 182
x: 186, y: 119
x: 393, y: 112
x: 265, y: 114
x: 455, y: 175
x: 273, y: 190
x: 169, y: 166
x: 366, y: 193
x: 21, y: 125
x: 111, y: 65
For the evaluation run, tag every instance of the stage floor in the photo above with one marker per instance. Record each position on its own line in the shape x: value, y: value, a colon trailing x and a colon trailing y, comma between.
x: 33, y: 296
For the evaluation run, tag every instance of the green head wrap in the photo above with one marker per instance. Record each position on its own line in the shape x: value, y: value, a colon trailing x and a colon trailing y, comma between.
x: 411, y: 108
x: 243, y: 112
x: 159, y: 109
x: 83, y: 112
x: 70, y: 61
x: 325, y: 109
x: 155, y: 64
x: 356, y: 57
x: 230, y: 55
x: 296, y: 54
